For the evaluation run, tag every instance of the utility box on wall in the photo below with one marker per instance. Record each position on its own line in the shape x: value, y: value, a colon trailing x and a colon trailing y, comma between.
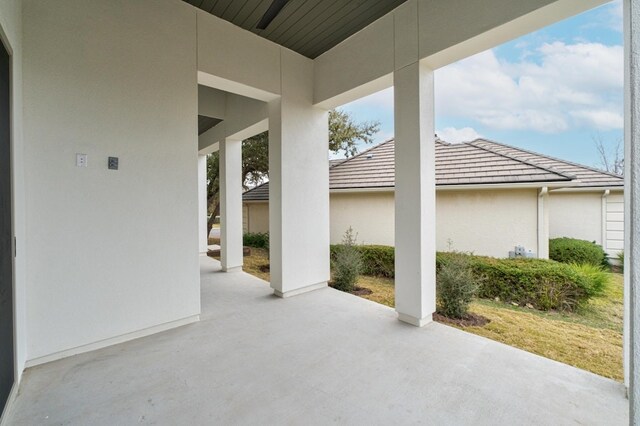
x: 519, y: 252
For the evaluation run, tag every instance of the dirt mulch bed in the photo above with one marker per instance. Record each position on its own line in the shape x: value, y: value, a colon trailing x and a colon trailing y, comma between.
x: 471, y: 320
x: 246, y: 251
x: 358, y: 291
x: 361, y: 291
x: 265, y: 268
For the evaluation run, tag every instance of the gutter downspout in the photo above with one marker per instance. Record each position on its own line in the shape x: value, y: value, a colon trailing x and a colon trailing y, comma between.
x: 543, y: 223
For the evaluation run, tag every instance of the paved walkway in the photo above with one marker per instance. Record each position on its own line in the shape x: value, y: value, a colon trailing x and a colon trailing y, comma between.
x: 318, y: 358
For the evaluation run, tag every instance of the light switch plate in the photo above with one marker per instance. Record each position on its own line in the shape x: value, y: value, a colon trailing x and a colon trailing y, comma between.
x: 112, y: 163
x: 81, y: 160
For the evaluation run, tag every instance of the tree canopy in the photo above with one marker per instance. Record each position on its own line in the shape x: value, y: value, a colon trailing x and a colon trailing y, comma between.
x: 345, y: 132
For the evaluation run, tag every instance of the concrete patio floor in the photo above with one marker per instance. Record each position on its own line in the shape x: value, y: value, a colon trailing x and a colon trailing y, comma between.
x: 317, y: 358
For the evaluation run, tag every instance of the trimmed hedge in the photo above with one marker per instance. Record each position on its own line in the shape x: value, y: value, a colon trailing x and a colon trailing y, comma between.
x: 257, y: 239
x: 545, y: 284
x: 377, y: 261
x: 571, y: 250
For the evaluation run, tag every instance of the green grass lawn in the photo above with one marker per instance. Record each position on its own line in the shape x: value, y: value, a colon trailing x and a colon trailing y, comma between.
x: 590, y: 338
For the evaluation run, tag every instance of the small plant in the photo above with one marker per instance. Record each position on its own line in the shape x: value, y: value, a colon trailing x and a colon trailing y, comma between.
x: 456, y: 286
x: 347, y: 263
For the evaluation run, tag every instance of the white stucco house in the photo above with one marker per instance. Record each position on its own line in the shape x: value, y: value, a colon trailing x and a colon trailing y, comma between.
x: 110, y: 313
x: 490, y: 197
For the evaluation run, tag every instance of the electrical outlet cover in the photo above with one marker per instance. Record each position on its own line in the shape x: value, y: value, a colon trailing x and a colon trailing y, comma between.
x: 81, y: 160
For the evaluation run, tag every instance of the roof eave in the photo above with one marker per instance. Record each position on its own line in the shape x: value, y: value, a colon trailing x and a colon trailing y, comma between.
x: 593, y: 188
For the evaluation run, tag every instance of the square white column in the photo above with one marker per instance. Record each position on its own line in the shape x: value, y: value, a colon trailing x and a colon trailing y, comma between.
x: 415, y: 194
x: 298, y: 184
x: 203, y: 229
x: 231, y: 205
x: 632, y: 206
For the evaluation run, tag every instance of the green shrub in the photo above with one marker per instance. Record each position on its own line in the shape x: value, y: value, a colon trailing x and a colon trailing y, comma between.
x: 256, y: 239
x: 347, y: 263
x: 456, y: 286
x: 377, y: 261
x: 545, y: 284
x: 571, y: 250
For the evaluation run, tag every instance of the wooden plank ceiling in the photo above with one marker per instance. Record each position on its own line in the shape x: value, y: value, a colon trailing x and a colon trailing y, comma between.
x: 309, y: 27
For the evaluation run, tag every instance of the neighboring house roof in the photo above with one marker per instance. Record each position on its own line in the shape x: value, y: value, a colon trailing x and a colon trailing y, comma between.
x: 259, y: 193
x: 585, y: 176
x: 480, y: 162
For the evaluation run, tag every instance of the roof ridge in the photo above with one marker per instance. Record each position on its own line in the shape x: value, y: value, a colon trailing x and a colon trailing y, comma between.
x: 549, y: 157
x: 520, y: 160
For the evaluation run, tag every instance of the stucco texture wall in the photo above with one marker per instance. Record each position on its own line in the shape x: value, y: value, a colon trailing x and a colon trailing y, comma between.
x: 576, y: 215
x: 486, y: 222
x: 111, y: 252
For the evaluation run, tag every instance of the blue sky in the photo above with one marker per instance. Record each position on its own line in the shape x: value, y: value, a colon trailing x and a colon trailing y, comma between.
x: 552, y: 91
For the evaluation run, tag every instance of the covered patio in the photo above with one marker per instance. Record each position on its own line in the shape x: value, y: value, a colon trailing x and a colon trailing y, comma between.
x: 325, y: 357
x: 105, y: 316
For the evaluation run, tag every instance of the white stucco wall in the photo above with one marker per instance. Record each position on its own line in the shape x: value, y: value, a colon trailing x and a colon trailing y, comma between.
x: 576, y: 215
x: 486, y: 222
x: 371, y: 215
x: 489, y: 222
x: 11, y: 37
x: 580, y: 215
x: 111, y: 252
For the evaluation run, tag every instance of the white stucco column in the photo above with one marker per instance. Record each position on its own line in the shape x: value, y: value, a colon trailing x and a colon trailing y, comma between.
x: 543, y: 223
x: 231, y: 205
x: 415, y: 194
x: 202, y: 205
x: 632, y: 206
x: 298, y: 183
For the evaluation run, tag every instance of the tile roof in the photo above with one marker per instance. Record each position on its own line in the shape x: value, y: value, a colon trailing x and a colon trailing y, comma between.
x: 259, y: 193
x: 480, y: 162
x: 585, y: 176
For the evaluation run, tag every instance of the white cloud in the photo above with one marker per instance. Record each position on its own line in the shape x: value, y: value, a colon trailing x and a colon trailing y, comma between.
x: 564, y: 86
x: 556, y: 87
x: 454, y: 135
